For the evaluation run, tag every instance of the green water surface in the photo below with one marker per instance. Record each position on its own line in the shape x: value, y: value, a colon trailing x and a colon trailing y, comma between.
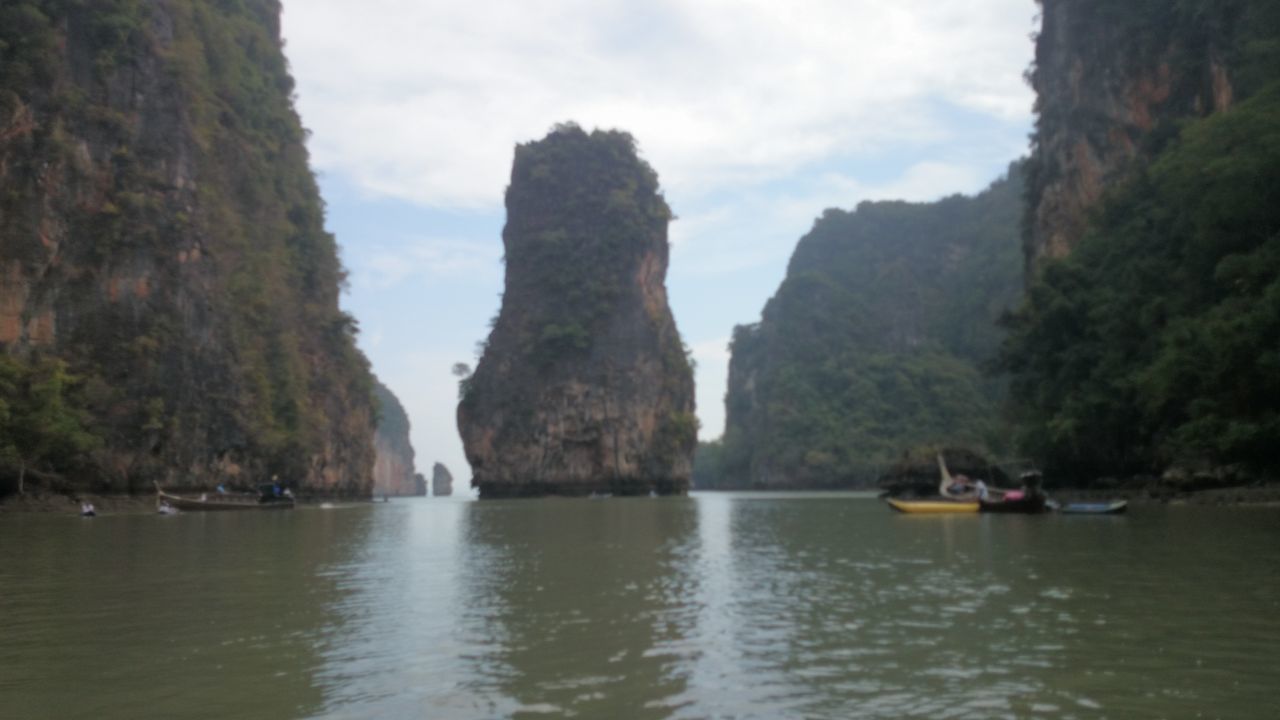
x: 713, y: 606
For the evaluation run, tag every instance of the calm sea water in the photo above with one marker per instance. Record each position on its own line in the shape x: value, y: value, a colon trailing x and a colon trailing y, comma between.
x: 714, y: 606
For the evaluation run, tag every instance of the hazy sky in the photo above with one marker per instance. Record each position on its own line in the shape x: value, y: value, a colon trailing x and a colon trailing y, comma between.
x: 756, y: 114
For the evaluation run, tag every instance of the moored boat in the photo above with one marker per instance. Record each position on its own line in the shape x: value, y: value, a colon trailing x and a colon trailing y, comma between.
x: 1030, y: 504
x: 933, y: 507
x: 218, y: 502
x: 1114, y: 507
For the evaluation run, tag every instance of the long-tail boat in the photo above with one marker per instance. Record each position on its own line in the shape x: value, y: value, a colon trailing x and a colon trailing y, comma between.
x: 1029, y: 504
x: 976, y: 498
x: 933, y: 507
x: 224, y: 501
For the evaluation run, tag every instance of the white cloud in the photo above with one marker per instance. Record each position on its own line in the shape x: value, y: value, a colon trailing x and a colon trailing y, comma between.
x: 424, y: 99
x: 712, y: 357
x: 922, y: 182
x: 380, y: 268
x: 757, y: 115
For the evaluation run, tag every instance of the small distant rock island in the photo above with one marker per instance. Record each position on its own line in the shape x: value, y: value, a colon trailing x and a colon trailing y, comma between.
x: 441, y: 481
x: 584, y: 385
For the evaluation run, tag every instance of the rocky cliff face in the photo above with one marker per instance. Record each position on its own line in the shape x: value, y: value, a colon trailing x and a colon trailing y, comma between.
x: 1113, y: 78
x: 160, y: 230
x: 393, y: 471
x: 584, y: 385
x: 441, y: 481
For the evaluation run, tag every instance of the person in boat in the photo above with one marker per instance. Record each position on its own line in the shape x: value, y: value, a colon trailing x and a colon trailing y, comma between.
x: 961, y: 486
x: 1031, y: 483
x: 981, y: 489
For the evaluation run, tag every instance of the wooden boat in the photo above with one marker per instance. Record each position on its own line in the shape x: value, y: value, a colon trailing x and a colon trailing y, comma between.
x: 1024, y: 505
x: 1114, y: 507
x: 218, y: 502
x: 933, y: 507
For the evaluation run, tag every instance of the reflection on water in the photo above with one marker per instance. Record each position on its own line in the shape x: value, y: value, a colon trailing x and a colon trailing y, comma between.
x: 716, y: 606
x: 579, y: 608
x: 811, y: 611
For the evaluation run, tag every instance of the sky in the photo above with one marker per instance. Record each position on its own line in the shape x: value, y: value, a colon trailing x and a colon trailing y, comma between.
x: 756, y: 114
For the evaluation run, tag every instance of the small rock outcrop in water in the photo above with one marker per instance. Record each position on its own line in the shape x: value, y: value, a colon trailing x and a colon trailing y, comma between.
x: 393, y: 469
x: 584, y: 385
x: 441, y: 481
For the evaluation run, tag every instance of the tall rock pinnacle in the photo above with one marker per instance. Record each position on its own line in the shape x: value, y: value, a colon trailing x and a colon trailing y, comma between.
x: 583, y: 385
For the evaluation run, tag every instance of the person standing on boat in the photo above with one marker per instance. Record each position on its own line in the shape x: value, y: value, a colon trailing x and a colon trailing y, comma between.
x: 980, y: 487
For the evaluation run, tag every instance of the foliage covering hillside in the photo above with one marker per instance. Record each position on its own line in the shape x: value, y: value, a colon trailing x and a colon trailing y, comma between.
x: 1155, y: 344
x: 1158, y: 341
x: 873, y: 343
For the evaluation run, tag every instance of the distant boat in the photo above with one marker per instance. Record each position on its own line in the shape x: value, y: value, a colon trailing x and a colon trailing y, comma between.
x: 242, y: 501
x: 1114, y: 507
x: 933, y: 507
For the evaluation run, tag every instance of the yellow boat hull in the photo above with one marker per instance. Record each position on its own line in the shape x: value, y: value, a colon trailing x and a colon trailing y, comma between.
x: 933, y: 507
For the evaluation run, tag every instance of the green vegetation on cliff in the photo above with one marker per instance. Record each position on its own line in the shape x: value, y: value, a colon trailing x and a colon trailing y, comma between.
x: 873, y: 343
x: 1153, y: 345
x: 43, y: 423
x: 607, y: 203
x: 1157, y: 342
x: 165, y: 237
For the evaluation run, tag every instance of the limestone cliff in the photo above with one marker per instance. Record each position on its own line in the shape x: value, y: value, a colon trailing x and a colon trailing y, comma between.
x: 584, y: 385
x: 441, y: 481
x: 1143, y: 343
x: 161, y: 232
x: 1113, y: 78
x: 393, y: 471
